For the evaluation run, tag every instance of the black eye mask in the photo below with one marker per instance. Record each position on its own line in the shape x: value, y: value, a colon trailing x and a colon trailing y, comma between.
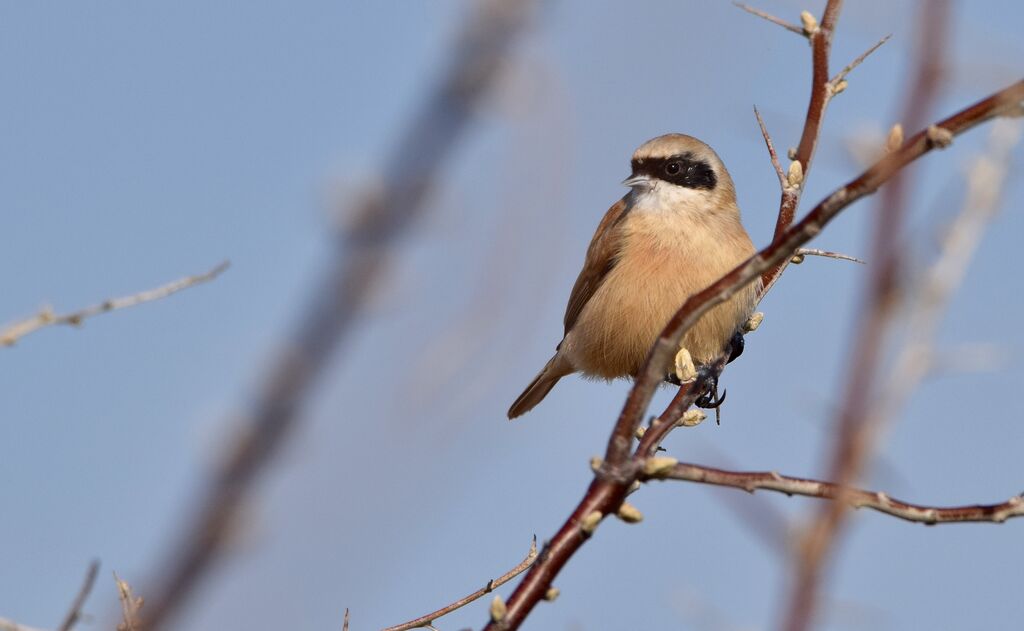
x: 682, y: 169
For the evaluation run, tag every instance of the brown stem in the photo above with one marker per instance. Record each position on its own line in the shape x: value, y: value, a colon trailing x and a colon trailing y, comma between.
x: 751, y: 481
x: 852, y: 442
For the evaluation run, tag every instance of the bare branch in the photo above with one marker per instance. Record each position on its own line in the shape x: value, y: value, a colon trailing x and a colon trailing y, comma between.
x: 75, y: 611
x: 822, y: 91
x: 771, y: 150
x: 789, y: 26
x: 858, y: 61
x: 10, y: 625
x: 344, y: 622
x: 827, y: 254
x: 428, y: 620
x: 46, y: 317
x: 359, y: 262
x: 617, y: 472
x: 751, y: 481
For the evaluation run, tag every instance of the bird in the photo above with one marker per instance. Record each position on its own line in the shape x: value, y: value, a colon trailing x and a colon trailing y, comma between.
x: 675, y: 232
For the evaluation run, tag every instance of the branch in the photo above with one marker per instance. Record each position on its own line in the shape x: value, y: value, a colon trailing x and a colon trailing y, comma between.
x: 751, y: 481
x: 365, y: 252
x: 839, y: 78
x: 10, y: 625
x: 75, y: 611
x: 789, y: 26
x: 617, y: 472
x: 428, y: 620
x: 855, y: 426
x: 802, y: 252
x: 46, y: 317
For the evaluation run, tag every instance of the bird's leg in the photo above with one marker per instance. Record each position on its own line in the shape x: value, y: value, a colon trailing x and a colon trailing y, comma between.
x: 736, y: 346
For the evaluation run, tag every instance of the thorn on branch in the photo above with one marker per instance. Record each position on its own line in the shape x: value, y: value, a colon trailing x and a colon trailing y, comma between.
x: 771, y: 149
x: 840, y: 78
x: 793, y: 28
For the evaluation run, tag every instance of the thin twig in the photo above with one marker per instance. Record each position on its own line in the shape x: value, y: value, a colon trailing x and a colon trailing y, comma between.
x: 751, y: 481
x: 789, y: 26
x: 617, y: 473
x: 10, y: 625
x: 828, y: 254
x: 344, y: 622
x: 822, y: 91
x: 46, y: 317
x: 859, y: 60
x: 428, y: 620
x: 75, y: 611
x: 360, y: 261
x: 771, y: 150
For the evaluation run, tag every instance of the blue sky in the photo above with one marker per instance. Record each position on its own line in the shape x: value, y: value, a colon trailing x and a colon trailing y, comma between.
x: 146, y: 141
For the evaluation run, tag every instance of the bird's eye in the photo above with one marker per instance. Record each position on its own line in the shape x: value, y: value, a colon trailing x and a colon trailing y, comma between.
x: 672, y: 168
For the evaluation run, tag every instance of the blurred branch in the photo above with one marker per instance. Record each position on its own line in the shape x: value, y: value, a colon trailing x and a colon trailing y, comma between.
x: 853, y: 442
x: 46, y: 316
x: 617, y: 472
x: 364, y: 252
x: 130, y: 606
x: 428, y: 620
x: 789, y: 26
x: 75, y: 611
x: 10, y: 625
x: 751, y: 481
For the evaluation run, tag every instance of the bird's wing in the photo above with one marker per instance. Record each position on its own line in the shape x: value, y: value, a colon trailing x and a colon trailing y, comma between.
x: 601, y: 258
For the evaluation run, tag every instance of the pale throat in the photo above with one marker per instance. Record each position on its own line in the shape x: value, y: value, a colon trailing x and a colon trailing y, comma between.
x: 671, y: 200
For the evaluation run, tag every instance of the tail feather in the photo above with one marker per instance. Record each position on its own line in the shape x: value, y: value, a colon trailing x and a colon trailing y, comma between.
x: 556, y: 368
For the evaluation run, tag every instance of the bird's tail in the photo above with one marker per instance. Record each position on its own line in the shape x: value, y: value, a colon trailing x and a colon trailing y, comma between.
x: 556, y: 368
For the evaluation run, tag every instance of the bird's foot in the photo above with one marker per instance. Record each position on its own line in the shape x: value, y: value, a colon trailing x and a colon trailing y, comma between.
x: 710, y: 399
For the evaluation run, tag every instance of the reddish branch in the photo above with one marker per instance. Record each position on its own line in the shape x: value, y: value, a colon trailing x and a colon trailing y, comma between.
x: 618, y: 472
x: 751, y: 481
x: 852, y: 438
x: 334, y: 304
x: 821, y: 93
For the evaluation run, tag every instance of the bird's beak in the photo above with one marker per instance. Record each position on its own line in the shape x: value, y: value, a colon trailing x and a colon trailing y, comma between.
x: 637, y: 181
